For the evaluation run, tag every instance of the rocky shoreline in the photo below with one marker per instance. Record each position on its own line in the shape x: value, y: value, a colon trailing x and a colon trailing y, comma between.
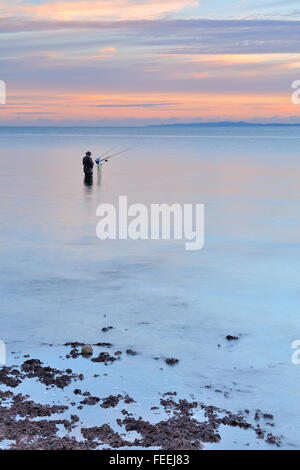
x: 188, y: 425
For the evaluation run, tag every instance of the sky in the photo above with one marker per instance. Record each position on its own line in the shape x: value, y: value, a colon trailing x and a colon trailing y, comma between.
x: 140, y: 62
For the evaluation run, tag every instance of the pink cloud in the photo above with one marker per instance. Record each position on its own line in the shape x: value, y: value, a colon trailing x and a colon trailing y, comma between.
x: 94, y: 9
x: 108, y: 49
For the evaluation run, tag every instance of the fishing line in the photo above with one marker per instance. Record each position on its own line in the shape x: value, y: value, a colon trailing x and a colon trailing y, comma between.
x: 119, y: 153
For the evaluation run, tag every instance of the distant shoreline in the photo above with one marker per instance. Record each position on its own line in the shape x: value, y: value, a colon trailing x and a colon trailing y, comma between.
x: 226, y: 124
x: 175, y: 125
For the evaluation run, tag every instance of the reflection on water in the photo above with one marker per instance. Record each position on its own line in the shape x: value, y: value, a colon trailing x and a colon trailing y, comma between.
x: 88, y: 181
x: 57, y: 280
x: 89, y: 178
x: 99, y: 174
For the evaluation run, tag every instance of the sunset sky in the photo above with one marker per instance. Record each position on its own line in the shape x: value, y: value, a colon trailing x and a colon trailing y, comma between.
x: 137, y: 62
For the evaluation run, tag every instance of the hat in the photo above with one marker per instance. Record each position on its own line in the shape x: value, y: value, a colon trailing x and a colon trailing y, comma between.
x: 88, y: 153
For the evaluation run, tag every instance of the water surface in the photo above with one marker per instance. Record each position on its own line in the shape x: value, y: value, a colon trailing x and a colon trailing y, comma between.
x: 58, y: 282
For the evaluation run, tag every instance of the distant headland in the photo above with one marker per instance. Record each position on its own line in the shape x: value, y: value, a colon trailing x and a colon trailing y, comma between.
x: 226, y: 124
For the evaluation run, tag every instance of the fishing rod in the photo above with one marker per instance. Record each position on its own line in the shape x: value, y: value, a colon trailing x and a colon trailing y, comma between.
x: 99, y: 160
x: 103, y: 155
x: 118, y: 153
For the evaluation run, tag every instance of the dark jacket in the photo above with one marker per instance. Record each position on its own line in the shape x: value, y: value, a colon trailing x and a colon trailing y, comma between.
x: 88, y: 164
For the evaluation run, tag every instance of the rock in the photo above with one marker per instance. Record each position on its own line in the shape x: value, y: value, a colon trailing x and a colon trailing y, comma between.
x: 104, y: 357
x: 231, y: 338
x: 90, y: 401
x: 172, y: 361
x: 107, y: 328
x: 87, y: 350
x: 130, y: 352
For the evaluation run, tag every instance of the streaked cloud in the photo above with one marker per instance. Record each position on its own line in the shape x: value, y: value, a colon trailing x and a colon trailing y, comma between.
x: 93, y: 9
x: 131, y: 105
x: 144, y: 61
x: 190, y: 36
x: 108, y: 50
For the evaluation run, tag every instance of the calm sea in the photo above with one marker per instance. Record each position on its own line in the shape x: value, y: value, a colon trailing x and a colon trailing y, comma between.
x: 58, y: 282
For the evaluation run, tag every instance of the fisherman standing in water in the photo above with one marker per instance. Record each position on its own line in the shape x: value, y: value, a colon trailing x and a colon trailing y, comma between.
x: 88, y: 165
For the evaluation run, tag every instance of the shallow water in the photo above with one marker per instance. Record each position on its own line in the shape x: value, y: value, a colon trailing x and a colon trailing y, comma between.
x: 60, y: 283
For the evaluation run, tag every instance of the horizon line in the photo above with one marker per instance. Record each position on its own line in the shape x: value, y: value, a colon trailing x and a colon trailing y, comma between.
x: 205, y: 123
